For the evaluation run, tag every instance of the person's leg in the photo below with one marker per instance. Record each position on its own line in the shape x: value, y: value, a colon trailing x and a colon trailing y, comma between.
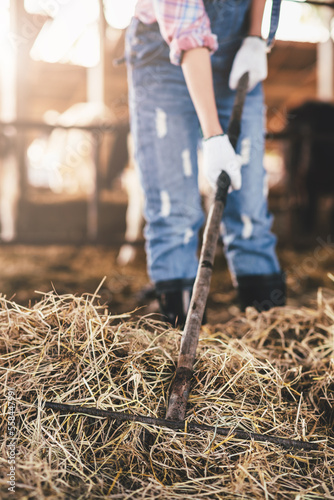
x: 165, y: 131
x: 248, y: 241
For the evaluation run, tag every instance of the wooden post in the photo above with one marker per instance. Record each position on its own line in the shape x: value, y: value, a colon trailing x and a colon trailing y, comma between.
x: 8, y: 58
x: 325, y: 63
x: 95, y: 75
x: 23, y: 33
x: 95, y: 93
x: 9, y: 187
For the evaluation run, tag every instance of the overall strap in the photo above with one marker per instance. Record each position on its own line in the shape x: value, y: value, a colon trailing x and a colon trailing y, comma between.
x: 275, y: 11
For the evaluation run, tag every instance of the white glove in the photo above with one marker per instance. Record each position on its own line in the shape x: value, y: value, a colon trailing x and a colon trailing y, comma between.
x: 251, y: 57
x: 218, y: 155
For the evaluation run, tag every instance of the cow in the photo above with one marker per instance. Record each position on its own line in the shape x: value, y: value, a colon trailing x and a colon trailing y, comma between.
x: 309, y: 159
x: 67, y: 162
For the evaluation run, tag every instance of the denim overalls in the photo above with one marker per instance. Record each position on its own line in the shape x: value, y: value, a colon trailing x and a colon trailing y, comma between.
x: 165, y: 130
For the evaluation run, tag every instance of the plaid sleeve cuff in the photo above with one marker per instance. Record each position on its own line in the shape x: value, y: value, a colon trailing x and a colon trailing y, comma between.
x: 191, y: 41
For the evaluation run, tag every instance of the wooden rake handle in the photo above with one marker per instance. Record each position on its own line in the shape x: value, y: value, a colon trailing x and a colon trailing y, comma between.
x: 181, y: 385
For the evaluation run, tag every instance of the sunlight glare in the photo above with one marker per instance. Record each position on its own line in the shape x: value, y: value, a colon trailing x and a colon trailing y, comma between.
x: 4, y: 20
x: 118, y: 14
x: 72, y: 36
x: 299, y: 22
x: 44, y: 7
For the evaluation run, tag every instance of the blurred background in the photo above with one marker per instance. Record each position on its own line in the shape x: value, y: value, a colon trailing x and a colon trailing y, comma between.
x: 70, y: 203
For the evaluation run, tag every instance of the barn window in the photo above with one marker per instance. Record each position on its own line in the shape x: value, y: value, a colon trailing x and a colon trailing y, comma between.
x: 299, y: 22
x: 70, y: 33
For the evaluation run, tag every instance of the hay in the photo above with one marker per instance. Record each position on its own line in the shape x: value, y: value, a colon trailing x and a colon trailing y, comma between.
x: 269, y: 373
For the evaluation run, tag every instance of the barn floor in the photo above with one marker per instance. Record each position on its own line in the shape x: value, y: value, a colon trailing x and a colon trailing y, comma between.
x: 268, y: 373
x: 28, y: 271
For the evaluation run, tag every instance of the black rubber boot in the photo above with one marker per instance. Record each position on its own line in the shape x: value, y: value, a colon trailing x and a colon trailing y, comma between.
x: 262, y: 291
x: 174, y: 299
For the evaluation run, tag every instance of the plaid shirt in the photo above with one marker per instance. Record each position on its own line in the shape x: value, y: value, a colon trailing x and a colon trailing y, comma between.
x: 183, y: 24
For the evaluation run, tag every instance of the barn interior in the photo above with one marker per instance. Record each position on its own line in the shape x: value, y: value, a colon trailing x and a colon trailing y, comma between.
x: 55, y: 225
x: 79, y: 320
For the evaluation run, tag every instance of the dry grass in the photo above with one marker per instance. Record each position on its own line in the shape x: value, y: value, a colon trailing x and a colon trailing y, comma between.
x: 269, y: 373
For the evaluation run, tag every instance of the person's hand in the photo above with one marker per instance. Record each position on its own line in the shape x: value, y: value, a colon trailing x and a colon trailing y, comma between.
x: 251, y: 58
x: 218, y: 155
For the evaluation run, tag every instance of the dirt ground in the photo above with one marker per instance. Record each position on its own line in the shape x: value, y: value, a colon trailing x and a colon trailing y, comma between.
x: 28, y: 271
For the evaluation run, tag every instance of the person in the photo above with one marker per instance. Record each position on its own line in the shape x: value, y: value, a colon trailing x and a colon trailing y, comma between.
x: 184, y: 60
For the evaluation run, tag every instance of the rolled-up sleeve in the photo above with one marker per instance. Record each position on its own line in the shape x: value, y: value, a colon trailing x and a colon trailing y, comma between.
x: 184, y: 25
